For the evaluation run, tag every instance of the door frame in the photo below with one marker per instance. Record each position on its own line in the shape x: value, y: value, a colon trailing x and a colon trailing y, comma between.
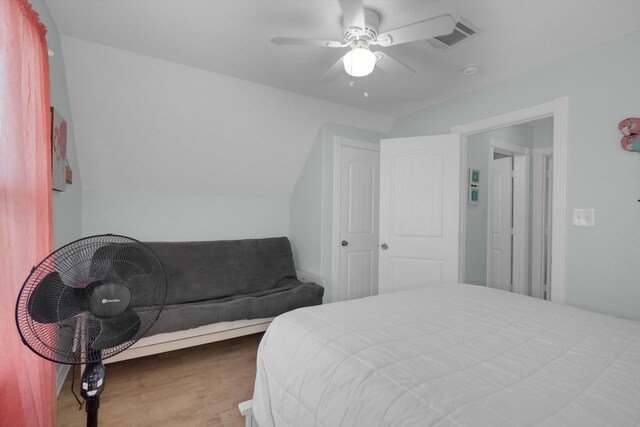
x: 558, y: 109
x: 520, y: 202
x: 338, y: 143
x: 537, y: 230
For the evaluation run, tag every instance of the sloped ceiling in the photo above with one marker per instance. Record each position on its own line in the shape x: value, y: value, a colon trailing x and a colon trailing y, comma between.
x: 145, y: 125
x: 232, y: 37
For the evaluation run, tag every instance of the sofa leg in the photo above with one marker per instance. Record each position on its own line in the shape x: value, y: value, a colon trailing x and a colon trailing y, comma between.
x: 246, y: 410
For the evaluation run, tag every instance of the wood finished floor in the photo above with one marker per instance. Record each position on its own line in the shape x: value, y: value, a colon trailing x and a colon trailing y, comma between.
x: 198, y: 386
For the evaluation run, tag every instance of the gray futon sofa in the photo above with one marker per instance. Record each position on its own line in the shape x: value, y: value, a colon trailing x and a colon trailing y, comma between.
x: 215, y: 281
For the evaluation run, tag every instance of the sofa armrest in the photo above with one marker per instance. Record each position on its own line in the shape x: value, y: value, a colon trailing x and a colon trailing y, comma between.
x: 303, y: 276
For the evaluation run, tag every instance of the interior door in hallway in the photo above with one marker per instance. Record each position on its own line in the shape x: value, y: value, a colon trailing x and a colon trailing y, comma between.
x: 419, y: 211
x: 501, y: 230
x: 359, y: 204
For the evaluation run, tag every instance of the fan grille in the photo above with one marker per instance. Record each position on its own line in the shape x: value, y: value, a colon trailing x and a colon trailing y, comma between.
x: 52, y: 312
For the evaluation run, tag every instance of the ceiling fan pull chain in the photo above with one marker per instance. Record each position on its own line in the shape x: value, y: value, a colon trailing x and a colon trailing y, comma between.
x: 366, y: 92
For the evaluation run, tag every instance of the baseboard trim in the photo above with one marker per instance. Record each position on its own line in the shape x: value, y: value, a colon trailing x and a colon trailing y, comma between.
x: 61, y: 375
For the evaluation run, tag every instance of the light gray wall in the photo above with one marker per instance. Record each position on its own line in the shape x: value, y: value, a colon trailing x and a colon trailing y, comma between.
x: 311, y: 211
x: 476, y: 224
x: 305, y: 212
x: 183, y: 217
x: 602, y: 269
x: 543, y: 133
x: 66, y: 204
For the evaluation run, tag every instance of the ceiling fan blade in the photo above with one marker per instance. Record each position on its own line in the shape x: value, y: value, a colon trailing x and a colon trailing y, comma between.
x: 393, y: 66
x: 352, y: 13
x: 305, y: 42
x: 429, y: 28
x: 117, y: 330
x: 52, y: 300
x: 333, y: 72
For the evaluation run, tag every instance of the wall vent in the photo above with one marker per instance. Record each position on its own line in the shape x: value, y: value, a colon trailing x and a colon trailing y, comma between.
x: 464, y: 30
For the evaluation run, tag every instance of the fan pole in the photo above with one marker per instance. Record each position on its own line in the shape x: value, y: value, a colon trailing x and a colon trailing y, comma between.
x: 92, y: 411
x: 92, y: 386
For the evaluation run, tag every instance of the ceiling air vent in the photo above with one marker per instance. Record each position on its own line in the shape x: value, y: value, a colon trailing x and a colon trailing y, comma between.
x: 463, y: 31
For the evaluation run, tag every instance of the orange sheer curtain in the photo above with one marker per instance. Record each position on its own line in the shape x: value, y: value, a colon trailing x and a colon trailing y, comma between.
x: 27, y: 382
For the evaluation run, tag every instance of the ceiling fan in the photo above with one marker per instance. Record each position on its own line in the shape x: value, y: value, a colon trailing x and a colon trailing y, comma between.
x: 360, y: 32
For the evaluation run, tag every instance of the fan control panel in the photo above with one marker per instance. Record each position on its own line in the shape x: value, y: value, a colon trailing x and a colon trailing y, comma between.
x: 92, y: 381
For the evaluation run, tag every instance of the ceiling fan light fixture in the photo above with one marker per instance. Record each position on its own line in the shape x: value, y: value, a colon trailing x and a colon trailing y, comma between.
x: 359, y: 61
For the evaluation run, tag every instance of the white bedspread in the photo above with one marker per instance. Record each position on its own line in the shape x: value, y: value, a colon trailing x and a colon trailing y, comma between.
x: 448, y: 355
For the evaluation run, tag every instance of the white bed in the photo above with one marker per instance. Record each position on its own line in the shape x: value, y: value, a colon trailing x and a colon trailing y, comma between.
x: 448, y: 355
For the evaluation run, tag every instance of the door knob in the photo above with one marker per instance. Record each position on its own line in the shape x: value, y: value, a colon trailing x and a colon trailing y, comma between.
x: 344, y: 243
x: 384, y: 246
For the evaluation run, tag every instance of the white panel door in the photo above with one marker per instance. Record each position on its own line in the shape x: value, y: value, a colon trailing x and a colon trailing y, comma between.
x: 419, y: 211
x: 359, y: 204
x: 501, y: 236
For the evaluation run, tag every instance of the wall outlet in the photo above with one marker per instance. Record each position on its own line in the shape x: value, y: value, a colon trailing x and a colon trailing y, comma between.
x: 584, y: 217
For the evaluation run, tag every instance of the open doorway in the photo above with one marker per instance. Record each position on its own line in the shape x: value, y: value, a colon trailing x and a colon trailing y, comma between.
x: 507, y: 226
x: 507, y: 211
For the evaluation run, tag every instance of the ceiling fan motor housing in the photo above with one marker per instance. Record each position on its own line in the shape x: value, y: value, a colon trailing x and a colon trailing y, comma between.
x: 360, y: 31
x: 367, y: 34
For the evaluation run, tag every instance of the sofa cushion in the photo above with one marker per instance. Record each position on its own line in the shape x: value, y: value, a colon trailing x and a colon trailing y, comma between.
x: 210, y: 270
x: 291, y: 295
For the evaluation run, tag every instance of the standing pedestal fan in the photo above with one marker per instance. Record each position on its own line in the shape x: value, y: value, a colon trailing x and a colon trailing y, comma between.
x: 88, y: 301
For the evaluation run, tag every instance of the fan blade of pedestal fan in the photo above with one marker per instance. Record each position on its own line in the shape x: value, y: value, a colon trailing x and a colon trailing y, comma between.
x: 117, y: 263
x: 129, y: 262
x: 143, y: 291
x: 52, y: 300
x: 117, y: 330
x: 101, y: 261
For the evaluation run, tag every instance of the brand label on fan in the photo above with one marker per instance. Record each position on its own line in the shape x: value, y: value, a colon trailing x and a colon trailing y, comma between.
x: 104, y: 300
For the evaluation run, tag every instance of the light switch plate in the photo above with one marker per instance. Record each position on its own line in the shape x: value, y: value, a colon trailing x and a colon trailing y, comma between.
x: 584, y: 217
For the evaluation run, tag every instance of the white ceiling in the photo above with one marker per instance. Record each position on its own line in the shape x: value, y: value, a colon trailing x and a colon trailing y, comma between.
x: 232, y: 37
